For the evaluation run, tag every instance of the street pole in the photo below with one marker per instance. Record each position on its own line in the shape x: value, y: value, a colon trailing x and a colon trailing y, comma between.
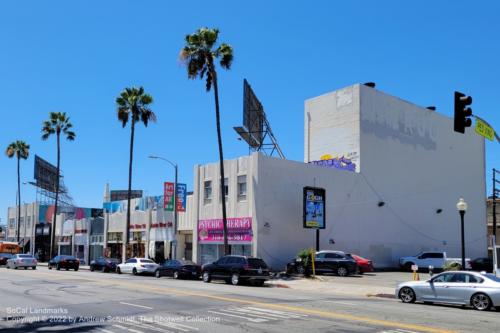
x: 317, y: 240
x: 175, y: 213
x: 494, y: 204
x: 462, y: 213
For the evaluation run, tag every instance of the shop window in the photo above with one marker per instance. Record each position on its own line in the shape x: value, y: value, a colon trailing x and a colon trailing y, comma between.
x: 242, y: 188
x: 207, y: 192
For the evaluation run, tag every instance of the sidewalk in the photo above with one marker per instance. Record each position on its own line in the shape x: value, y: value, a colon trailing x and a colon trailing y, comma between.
x: 378, y: 284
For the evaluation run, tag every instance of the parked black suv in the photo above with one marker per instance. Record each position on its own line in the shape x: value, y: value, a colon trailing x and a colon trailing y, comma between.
x: 336, y: 262
x: 237, y: 269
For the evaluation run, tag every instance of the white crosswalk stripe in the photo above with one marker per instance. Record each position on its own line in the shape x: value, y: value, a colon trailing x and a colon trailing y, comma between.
x: 257, y: 315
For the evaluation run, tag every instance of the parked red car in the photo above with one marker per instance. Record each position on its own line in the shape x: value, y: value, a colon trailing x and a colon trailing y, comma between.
x: 364, y: 265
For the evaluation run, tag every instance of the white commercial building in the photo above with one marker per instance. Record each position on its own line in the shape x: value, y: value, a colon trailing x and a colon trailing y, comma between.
x: 393, y: 173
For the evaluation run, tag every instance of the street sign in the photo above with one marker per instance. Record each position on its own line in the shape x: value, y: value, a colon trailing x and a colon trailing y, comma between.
x: 485, y: 130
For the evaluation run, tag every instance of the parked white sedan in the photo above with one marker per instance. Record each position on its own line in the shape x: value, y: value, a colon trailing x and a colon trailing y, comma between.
x: 22, y: 260
x: 137, y: 266
x: 481, y: 291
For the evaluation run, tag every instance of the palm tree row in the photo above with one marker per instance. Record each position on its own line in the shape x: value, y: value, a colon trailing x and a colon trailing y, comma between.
x: 199, y: 54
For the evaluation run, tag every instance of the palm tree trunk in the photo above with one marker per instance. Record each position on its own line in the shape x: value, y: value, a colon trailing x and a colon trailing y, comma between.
x: 129, y: 194
x: 221, y: 161
x: 18, y: 199
x: 53, y: 243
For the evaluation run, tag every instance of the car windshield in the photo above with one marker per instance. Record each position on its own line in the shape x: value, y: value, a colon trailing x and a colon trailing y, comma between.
x: 25, y: 256
x: 149, y: 261
x: 67, y: 258
x: 255, y: 262
x: 492, y: 277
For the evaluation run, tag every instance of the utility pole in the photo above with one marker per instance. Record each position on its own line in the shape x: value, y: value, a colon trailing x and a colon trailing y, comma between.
x: 494, y: 203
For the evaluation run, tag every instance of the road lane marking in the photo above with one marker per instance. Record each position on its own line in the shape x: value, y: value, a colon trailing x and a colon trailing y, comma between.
x: 264, y: 313
x: 341, y: 303
x: 137, y: 305
x: 278, y: 312
x: 127, y: 329
x: 253, y: 314
x: 320, y: 313
x: 180, y: 327
x: 255, y: 320
x: 146, y: 326
x: 104, y: 331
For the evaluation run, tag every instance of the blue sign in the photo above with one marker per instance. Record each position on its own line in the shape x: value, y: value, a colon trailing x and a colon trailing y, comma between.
x: 181, y: 197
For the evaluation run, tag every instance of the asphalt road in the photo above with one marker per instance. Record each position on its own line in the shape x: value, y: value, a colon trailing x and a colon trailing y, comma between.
x: 83, y: 301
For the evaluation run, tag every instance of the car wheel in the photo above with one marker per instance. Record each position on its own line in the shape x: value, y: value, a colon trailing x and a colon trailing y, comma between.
x: 67, y: 268
x: 407, y: 266
x: 480, y: 302
x: 258, y: 283
x: 50, y: 267
x: 34, y: 267
x: 92, y: 268
x: 235, y: 279
x: 407, y: 295
x: 16, y: 267
x: 134, y: 271
x: 157, y: 274
x: 342, y: 271
x: 76, y: 269
x: 206, y: 277
x: 25, y: 267
x: 176, y: 275
x: 103, y: 269
x: 118, y: 270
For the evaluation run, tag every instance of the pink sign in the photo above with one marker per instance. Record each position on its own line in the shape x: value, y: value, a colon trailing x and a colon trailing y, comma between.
x: 239, y: 229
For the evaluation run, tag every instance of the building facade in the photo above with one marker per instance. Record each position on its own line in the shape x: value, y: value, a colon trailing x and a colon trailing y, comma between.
x: 393, y: 173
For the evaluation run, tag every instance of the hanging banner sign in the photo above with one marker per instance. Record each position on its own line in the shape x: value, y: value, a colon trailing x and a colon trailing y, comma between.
x: 181, y: 197
x: 168, y: 195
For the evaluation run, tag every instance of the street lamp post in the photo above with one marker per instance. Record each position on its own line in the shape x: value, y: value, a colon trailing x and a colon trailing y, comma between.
x: 174, y: 256
x: 462, y: 207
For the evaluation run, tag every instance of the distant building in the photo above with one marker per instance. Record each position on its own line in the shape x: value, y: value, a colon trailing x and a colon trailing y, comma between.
x: 489, y: 213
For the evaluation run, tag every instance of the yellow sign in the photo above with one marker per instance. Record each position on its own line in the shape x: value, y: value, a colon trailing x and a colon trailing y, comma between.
x: 484, y: 130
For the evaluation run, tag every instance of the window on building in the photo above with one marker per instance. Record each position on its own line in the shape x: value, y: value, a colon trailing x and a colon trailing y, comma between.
x: 12, y: 223
x: 242, y: 188
x: 21, y: 222
x: 207, y: 192
x: 28, y: 222
x: 226, y: 188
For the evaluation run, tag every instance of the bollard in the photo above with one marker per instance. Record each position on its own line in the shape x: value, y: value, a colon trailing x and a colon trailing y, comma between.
x: 431, y: 270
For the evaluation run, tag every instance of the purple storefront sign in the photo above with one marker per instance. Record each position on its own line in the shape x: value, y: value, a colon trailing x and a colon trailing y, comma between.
x: 238, y: 230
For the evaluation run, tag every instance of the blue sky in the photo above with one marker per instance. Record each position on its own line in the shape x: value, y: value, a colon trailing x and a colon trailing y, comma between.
x: 76, y: 57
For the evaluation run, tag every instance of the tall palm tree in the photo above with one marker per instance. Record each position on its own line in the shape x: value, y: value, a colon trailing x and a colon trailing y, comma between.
x: 133, y: 103
x: 199, y: 55
x: 21, y: 150
x: 57, y: 124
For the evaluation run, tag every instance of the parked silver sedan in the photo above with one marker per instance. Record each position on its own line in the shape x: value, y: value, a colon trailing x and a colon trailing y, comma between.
x: 22, y: 260
x: 481, y: 291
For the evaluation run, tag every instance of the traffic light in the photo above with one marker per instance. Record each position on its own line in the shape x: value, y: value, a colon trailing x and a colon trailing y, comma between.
x: 462, y: 112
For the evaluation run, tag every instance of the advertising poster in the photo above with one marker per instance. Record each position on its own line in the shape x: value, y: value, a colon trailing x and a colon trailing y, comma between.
x: 181, y: 197
x: 168, y: 194
x: 314, y: 208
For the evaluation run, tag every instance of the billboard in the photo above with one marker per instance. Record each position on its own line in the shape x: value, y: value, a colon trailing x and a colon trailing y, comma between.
x: 253, y: 116
x: 119, y: 195
x: 314, y: 208
x: 45, y: 174
x: 238, y: 230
